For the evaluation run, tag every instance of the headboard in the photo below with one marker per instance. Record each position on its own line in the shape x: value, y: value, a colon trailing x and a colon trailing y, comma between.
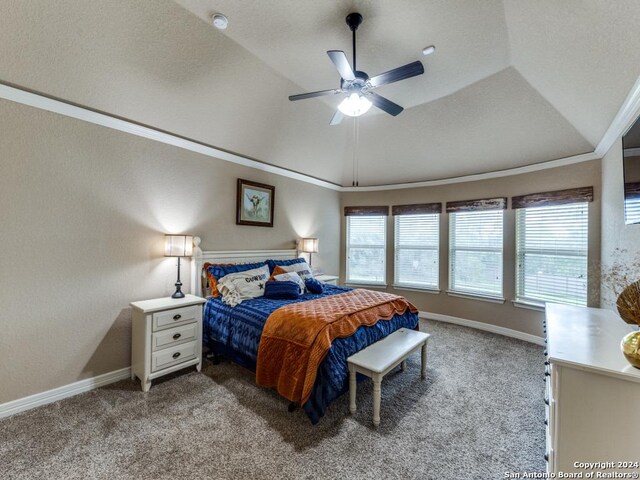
x: 199, y: 284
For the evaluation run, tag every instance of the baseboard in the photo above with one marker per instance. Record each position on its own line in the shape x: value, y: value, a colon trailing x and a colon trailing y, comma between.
x: 507, y: 332
x: 32, y: 401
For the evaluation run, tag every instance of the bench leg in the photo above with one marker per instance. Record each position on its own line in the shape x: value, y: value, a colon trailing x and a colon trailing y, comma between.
x: 424, y: 361
x: 403, y: 365
x: 377, y: 380
x: 352, y: 389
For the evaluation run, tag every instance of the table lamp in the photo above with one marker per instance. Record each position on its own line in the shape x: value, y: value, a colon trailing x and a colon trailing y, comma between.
x: 309, y: 245
x: 178, y: 246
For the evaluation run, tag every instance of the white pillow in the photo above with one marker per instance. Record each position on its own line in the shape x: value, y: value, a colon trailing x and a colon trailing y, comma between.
x: 301, y: 269
x: 290, y: 277
x: 236, y: 287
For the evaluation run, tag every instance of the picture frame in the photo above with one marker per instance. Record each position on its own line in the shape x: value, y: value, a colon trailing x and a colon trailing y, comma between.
x: 255, y: 203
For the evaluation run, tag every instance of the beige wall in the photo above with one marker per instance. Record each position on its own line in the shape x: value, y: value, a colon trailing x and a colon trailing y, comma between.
x: 528, y: 321
x: 615, y: 234
x: 84, y: 210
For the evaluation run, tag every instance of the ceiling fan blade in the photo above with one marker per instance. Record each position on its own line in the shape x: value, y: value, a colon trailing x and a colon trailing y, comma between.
x: 339, y: 59
x: 400, y: 73
x: 319, y: 93
x: 384, y: 104
x: 337, y: 118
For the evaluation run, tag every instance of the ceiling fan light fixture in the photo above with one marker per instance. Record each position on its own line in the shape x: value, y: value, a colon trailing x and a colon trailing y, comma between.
x: 354, y: 105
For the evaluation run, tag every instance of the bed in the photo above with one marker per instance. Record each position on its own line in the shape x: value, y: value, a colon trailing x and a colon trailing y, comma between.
x: 236, y: 332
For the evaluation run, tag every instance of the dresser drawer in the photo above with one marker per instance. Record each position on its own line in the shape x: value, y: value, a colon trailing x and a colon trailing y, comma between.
x: 173, y: 356
x: 176, y: 316
x: 174, y: 336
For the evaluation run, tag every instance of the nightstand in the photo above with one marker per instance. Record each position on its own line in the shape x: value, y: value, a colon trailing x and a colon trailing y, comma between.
x: 166, y: 336
x: 330, y: 279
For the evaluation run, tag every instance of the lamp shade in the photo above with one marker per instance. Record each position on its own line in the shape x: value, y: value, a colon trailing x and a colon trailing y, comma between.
x: 309, y: 245
x: 178, y: 245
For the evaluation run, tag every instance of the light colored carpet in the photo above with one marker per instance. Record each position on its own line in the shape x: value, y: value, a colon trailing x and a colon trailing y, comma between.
x: 479, y: 414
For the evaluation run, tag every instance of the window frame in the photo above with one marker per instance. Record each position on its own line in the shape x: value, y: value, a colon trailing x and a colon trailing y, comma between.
x: 520, y: 265
x: 396, y: 250
x: 349, y: 246
x: 477, y: 294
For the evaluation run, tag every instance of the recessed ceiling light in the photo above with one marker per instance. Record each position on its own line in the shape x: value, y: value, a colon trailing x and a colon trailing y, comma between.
x: 428, y: 50
x: 219, y: 21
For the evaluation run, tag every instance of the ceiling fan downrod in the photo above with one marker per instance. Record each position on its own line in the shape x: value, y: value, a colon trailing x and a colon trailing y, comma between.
x: 354, y: 20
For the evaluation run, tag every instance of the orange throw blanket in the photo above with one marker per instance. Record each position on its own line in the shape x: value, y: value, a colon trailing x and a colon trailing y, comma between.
x: 297, y: 337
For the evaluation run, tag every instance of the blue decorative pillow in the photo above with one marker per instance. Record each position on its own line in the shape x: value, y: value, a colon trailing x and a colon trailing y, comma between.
x: 313, y: 285
x: 281, y: 290
x: 274, y: 263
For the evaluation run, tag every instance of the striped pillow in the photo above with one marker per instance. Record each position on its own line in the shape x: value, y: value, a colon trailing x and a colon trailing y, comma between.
x: 301, y: 268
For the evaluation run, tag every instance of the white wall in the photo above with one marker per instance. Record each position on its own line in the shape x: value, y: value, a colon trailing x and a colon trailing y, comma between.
x: 615, y: 234
x: 83, y: 214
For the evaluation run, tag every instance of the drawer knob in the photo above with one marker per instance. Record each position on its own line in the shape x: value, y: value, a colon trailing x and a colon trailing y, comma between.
x: 177, y: 317
x: 176, y: 355
x: 177, y: 336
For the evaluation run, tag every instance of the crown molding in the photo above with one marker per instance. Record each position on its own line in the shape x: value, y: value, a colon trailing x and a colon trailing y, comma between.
x: 625, y: 117
x: 623, y: 120
x: 80, y: 112
x: 561, y: 162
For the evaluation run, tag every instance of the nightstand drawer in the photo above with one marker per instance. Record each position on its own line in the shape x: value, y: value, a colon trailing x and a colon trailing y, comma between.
x: 176, y: 316
x: 172, y: 356
x: 174, y: 336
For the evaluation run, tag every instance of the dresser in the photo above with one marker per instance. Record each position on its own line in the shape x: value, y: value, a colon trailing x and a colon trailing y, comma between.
x: 166, y: 336
x: 592, y: 393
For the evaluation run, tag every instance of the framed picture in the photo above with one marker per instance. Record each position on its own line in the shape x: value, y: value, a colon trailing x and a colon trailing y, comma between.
x: 254, y: 204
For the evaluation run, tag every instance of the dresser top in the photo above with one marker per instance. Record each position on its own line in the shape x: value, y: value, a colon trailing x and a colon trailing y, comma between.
x: 165, y: 303
x: 589, y: 339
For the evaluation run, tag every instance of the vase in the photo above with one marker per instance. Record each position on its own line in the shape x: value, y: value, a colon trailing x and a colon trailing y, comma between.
x: 630, y: 346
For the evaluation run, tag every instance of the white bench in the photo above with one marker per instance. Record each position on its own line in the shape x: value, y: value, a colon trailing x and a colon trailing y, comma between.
x: 380, y: 358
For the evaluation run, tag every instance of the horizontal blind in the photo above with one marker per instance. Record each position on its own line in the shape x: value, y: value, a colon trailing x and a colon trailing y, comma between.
x: 366, y: 249
x: 416, y: 250
x: 632, y: 210
x: 551, y: 250
x: 475, y: 252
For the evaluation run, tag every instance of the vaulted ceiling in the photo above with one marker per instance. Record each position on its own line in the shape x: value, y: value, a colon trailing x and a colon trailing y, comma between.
x: 512, y: 82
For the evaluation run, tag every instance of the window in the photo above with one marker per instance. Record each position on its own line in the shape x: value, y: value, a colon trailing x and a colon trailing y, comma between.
x: 366, y: 249
x: 475, y: 252
x: 416, y: 250
x: 551, y: 250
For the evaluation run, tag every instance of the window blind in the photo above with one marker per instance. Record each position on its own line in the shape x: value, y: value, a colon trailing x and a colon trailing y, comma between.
x: 551, y: 250
x: 366, y: 249
x: 632, y: 210
x: 475, y: 252
x: 416, y: 250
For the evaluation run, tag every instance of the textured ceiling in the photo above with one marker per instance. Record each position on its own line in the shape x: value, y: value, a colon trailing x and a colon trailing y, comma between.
x: 511, y: 83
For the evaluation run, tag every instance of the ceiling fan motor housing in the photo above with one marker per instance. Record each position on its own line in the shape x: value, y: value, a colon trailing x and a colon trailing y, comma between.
x: 358, y: 83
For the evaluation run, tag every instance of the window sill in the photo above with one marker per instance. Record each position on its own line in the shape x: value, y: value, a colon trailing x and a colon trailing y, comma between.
x: 365, y: 285
x: 432, y: 291
x: 528, y: 304
x: 475, y: 296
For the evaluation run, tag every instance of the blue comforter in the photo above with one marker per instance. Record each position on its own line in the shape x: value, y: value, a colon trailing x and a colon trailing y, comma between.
x: 235, y: 332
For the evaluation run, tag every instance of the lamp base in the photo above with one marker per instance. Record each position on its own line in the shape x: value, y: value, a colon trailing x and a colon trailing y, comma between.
x: 177, y: 294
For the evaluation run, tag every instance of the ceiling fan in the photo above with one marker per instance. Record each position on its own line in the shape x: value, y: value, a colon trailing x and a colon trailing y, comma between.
x: 357, y: 86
